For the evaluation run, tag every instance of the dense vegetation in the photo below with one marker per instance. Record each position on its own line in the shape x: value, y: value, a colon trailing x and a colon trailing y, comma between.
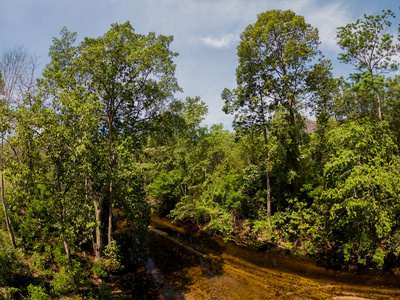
x: 101, y: 130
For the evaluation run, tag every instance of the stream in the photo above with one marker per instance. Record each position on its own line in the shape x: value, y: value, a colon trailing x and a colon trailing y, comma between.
x: 177, y: 263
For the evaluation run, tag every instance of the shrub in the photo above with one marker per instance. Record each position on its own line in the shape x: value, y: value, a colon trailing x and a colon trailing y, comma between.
x: 37, y: 292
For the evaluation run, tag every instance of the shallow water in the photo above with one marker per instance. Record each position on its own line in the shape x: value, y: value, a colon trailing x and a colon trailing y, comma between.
x: 183, y: 264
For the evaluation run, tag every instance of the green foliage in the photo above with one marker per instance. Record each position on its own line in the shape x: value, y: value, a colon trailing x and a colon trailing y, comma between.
x: 62, y: 282
x: 98, y: 269
x: 37, y: 292
x: 165, y: 190
x: 274, y: 61
x: 391, y: 107
x: 2, y: 85
x: 362, y: 192
x: 109, y: 263
x: 42, y: 260
x: 112, y: 258
x: 70, y: 154
x: 220, y: 222
x: 279, y: 67
x: 206, y: 214
x: 297, y: 228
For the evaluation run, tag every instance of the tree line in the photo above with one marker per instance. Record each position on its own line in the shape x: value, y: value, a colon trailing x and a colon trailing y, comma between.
x: 101, y: 130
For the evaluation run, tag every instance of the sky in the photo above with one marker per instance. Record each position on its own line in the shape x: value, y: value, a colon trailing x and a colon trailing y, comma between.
x: 206, y: 32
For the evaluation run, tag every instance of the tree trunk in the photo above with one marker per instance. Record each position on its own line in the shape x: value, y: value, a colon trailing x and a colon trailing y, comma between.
x: 110, y: 205
x: 97, y: 241
x: 98, y: 246
x: 378, y: 101
x: 268, y: 198
x: 111, y: 162
x: 267, y: 175
x: 66, y: 247
x: 3, y: 200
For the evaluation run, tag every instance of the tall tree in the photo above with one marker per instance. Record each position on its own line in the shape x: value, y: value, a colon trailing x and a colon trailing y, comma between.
x: 128, y: 77
x: 132, y: 75
x: 17, y: 78
x: 370, y: 48
x: 276, y: 56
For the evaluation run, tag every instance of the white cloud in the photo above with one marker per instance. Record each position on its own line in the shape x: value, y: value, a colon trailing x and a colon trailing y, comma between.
x: 327, y: 18
x: 225, y: 41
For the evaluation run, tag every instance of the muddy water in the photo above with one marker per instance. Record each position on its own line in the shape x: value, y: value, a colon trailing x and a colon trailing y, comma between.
x: 186, y: 265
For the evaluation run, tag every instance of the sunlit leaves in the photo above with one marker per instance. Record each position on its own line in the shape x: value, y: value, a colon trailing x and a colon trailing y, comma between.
x: 361, y: 196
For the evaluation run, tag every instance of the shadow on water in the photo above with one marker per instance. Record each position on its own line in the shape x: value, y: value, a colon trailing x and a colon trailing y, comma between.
x: 135, y: 280
x: 164, y: 266
x: 172, y: 262
x: 178, y: 266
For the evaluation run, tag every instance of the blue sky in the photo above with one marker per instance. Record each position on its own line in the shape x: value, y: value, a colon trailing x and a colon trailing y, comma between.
x: 206, y: 32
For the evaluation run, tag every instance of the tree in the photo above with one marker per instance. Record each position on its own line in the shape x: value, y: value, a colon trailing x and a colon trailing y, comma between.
x: 132, y: 75
x: 17, y: 77
x: 125, y: 78
x: 276, y: 56
x: 4, y: 114
x: 47, y: 191
x: 370, y: 48
x: 18, y: 68
x: 62, y: 89
x: 63, y: 143
x: 176, y: 155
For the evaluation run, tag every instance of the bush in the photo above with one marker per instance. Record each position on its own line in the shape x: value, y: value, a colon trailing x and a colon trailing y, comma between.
x: 110, y: 263
x: 112, y: 258
x: 37, y: 292
x: 62, y: 281
x: 98, y: 269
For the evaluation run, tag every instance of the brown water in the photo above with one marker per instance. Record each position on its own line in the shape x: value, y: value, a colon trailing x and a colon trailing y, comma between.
x: 186, y: 265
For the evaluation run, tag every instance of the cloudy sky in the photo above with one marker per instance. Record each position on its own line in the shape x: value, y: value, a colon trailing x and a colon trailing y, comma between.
x: 206, y: 32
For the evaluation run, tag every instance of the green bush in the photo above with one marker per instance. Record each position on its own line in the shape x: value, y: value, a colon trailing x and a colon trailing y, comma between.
x: 37, y: 292
x: 62, y: 281
x: 111, y: 262
x: 98, y: 270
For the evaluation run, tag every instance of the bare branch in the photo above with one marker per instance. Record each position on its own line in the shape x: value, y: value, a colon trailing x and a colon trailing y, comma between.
x: 18, y: 68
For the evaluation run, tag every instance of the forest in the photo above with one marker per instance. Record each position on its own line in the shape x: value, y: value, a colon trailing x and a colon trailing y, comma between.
x: 101, y: 135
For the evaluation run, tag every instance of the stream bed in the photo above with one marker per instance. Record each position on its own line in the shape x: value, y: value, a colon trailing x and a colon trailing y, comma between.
x: 178, y: 263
